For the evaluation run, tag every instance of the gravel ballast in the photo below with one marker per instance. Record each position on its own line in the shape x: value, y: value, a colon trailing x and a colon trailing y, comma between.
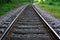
x: 10, y: 14
x: 54, y: 22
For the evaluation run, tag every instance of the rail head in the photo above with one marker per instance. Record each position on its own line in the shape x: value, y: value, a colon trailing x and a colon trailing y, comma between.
x: 12, y: 23
x: 58, y: 37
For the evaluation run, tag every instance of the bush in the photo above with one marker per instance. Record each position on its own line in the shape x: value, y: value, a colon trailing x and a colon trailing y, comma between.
x: 51, y: 3
x: 4, y: 2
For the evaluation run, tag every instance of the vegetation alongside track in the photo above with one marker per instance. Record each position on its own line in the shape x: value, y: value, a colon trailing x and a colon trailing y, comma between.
x: 51, y: 6
x: 54, y: 10
x: 6, y: 5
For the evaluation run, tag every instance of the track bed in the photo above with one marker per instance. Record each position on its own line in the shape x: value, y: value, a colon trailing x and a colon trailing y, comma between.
x: 29, y: 26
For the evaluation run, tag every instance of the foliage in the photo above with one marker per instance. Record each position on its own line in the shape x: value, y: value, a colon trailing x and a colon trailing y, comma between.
x: 52, y: 2
x: 14, y: 1
x: 54, y: 10
x: 6, y: 5
x: 52, y: 6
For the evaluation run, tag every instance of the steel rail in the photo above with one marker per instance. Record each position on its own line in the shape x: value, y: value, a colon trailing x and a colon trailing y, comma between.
x: 55, y: 33
x: 10, y: 26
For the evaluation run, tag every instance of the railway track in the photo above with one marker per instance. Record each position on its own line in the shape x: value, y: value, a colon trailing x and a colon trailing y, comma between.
x: 28, y: 25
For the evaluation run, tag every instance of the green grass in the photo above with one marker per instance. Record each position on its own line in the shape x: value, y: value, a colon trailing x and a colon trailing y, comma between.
x: 53, y: 9
x: 7, y: 7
